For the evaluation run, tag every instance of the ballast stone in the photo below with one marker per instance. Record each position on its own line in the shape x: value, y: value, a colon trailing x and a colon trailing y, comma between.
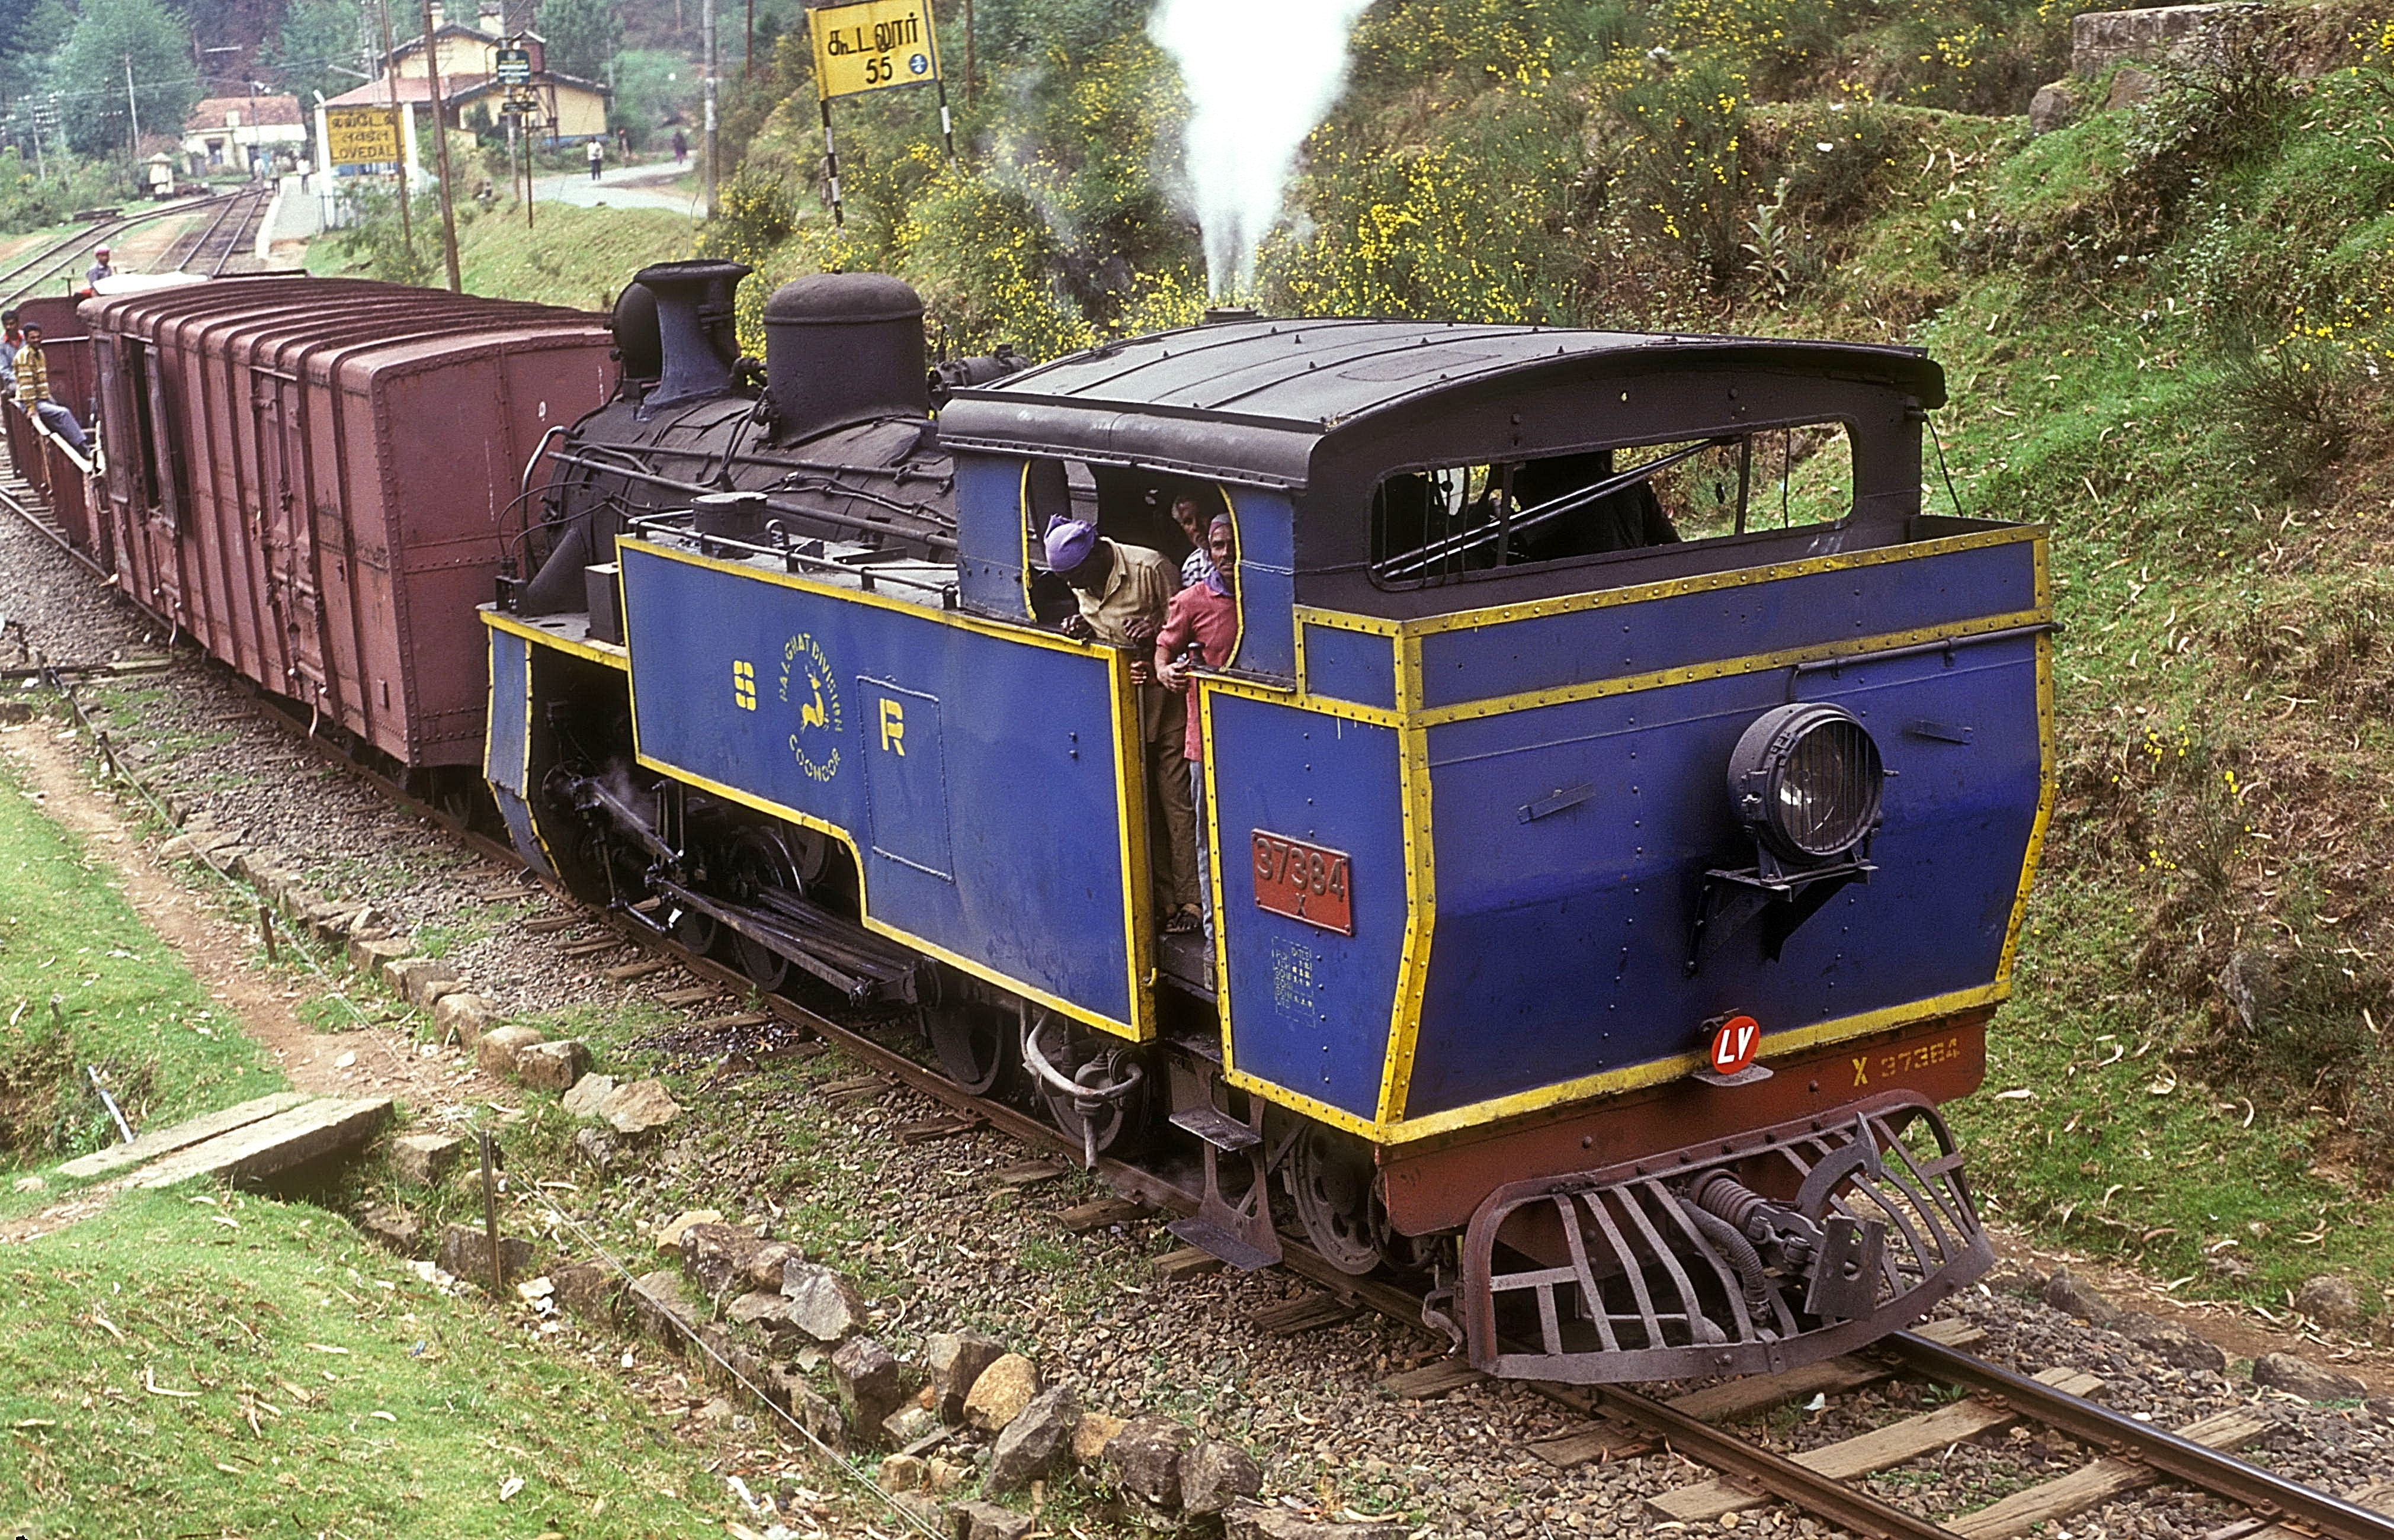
x: 1146, y: 1459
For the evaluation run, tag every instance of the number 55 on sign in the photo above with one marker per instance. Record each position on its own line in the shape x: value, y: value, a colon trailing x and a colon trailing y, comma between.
x: 873, y: 47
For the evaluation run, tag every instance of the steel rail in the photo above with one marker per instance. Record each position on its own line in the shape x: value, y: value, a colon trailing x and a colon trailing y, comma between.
x: 50, y: 259
x: 1822, y: 1496
x: 2222, y: 1475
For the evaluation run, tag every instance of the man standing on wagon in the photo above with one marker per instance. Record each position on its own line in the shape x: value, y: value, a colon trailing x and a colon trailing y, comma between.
x: 1124, y: 593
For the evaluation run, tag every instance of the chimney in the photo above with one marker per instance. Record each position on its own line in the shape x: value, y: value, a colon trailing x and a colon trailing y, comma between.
x: 695, y: 336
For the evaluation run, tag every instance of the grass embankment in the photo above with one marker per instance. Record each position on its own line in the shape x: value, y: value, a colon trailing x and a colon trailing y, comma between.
x: 200, y: 1362
x: 2156, y: 331
x: 85, y: 984
x: 213, y: 1363
x: 575, y: 256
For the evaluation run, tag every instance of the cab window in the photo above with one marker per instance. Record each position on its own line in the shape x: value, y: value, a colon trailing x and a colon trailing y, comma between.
x: 1449, y: 523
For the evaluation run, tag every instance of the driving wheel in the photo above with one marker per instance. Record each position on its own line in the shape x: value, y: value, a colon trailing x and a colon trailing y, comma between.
x: 1330, y: 1180
x: 757, y: 860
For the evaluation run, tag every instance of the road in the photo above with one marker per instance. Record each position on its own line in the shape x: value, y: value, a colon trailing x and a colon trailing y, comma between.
x: 649, y: 186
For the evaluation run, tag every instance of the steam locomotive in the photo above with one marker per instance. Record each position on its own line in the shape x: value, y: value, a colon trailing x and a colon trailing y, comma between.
x: 1616, y: 854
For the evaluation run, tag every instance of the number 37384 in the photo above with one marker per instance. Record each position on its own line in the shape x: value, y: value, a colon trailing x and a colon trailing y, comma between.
x: 1304, y: 882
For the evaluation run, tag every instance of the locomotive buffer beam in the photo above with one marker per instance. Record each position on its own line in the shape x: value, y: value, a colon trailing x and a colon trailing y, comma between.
x: 850, y: 958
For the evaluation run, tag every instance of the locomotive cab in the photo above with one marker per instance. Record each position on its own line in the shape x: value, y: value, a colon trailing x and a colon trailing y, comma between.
x: 1620, y: 806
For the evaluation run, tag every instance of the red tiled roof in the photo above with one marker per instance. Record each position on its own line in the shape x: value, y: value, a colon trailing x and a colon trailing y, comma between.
x: 218, y: 111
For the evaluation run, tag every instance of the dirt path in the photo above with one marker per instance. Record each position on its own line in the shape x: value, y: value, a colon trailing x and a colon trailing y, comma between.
x: 366, y: 1061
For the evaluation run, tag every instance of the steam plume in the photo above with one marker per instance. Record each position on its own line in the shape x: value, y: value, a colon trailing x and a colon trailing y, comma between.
x: 1260, y: 74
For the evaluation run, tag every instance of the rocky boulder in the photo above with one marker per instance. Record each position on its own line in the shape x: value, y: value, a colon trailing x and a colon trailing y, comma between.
x: 872, y: 1383
x: 956, y: 1361
x: 1030, y: 1443
x: 1145, y: 1458
x: 663, y: 1310
x: 824, y: 1304
x: 2074, y: 1298
x: 637, y: 1107
x: 981, y: 1521
x: 466, y: 1253
x: 2331, y: 1301
x: 552, y: 1066
x: 2172, y: 1343
x: 2301, y: 1377
x: 716, y: 1256
x: 1270, y: 1522
x: 1214, y: 1474
x: 1000, y: 1393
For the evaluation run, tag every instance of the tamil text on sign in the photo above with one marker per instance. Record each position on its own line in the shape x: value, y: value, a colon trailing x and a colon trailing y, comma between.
x: 362, y: 135
x: 873, y: 47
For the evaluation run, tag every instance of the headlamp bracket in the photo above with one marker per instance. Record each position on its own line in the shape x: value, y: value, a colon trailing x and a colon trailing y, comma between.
x: 1782, y: 897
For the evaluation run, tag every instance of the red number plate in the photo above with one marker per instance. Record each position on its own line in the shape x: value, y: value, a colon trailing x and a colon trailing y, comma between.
x: 1305, y: 881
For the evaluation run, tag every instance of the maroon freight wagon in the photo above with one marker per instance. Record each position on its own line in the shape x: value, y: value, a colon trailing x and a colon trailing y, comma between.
x: 318, y: 479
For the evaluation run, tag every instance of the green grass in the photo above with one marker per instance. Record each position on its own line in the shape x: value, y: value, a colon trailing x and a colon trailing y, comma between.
x: 85, y: 983
x: 164, y: 1371
x: 574, y: 256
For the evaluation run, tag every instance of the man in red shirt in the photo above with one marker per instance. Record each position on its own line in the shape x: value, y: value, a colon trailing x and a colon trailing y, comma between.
x: 1202, y: 628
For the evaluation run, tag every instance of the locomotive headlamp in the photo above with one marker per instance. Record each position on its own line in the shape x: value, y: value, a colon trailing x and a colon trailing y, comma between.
x: 1805, y: 780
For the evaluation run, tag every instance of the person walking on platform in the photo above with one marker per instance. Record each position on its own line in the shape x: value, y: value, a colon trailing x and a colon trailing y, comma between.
x: 597, y: 158
x: 33, y: 393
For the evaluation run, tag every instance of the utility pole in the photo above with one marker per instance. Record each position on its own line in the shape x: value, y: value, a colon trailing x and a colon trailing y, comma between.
x: 391, y: 88
x: 441, y: 150
x: 748, y: 50
x: 968, y: 55
x: 133, y: 110
x: 707, y: 24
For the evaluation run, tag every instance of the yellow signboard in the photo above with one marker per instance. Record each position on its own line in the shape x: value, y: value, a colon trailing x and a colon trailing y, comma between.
x: 873, y: 47
x: 362, y: 135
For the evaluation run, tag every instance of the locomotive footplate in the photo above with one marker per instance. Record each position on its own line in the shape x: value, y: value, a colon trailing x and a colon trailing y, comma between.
x: 1752, y: 1254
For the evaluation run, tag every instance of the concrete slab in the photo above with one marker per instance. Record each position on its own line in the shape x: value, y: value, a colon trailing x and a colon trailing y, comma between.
x: 286, y: 1139
x: 159, y: 1143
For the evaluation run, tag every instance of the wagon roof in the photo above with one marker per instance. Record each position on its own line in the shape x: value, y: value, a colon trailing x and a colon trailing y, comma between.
x: 1311, y: 379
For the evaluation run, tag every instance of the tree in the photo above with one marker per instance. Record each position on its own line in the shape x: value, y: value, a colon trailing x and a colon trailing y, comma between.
x: 112, y: 36
x: 317, y: 35
x: 582, y: 36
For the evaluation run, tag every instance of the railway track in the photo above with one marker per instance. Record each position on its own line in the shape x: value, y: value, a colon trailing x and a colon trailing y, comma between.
x: 209, y: 249
x: 1827, y: 1483
x: 30, y: 272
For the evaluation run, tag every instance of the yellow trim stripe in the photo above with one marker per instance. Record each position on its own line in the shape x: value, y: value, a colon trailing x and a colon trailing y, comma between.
x: 598, y: 652
x: 1131, y: 826
x: 1856, y: 648
x: 2048, y: 783
x: 1141, y: 1028
x: 929, y: 949
x: 1605, y: 598
x: 1658, y: 1070
x: 1421, y: 887
x: 1021, y: 632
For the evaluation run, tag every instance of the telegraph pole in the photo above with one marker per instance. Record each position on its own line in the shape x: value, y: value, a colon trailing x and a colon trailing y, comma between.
x: 441, y: 147
x: 707, y: 24
x: 133, y: 110
x: 391, y: 88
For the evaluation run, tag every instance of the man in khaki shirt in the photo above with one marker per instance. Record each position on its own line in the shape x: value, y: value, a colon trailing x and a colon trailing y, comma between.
x: 1123, y: 592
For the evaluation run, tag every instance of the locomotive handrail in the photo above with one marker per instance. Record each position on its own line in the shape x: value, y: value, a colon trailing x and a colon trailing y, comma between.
x: 939, y: 542
x: 866, y: 576
x: 1830, y: 666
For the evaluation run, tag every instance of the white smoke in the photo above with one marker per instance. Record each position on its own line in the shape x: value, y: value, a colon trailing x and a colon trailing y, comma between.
x: 1260, y: 74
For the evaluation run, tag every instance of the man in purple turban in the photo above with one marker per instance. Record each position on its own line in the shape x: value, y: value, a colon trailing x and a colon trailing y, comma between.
x: 1123, y: 592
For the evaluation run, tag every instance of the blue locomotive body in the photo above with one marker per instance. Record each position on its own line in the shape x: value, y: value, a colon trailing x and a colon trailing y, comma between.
x: 1533, y: 845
